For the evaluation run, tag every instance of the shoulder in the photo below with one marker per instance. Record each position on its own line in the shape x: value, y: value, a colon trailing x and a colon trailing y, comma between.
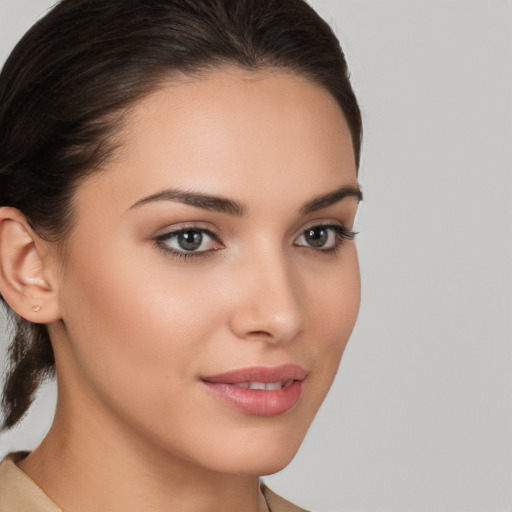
x: 276, y: 503
x: 18, y: 492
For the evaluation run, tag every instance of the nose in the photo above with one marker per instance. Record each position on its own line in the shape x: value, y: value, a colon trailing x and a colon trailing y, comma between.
x: 268, y: 305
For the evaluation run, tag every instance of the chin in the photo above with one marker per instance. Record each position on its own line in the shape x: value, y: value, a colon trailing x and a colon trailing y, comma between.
x: 266, y: 464
x: 264, y: 456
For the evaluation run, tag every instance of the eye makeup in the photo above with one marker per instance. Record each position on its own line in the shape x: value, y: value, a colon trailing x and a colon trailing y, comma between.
x: 325, y: 238
x: 194, y: 242
x: 189, y: 242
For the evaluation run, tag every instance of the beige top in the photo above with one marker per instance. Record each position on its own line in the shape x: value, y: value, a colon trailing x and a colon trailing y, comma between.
x: 18, y: 493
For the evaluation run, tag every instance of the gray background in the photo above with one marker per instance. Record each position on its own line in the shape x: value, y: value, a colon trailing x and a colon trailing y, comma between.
x: 420, y: 416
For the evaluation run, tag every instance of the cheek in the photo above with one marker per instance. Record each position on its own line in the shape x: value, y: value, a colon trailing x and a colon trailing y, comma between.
x: 334, y: 311
x: 135, y: 328
x: 141, y: 330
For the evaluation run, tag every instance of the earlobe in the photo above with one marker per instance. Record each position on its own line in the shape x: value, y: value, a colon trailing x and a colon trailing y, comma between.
x: 25, y: 281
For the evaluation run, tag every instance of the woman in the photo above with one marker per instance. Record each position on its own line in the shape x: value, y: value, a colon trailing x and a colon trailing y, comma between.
x: 178, y: 183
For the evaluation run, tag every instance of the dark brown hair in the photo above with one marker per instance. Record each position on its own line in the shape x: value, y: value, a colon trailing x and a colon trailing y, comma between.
x: 67, y: 83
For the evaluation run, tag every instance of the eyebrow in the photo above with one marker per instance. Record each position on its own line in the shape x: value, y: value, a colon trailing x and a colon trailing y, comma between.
x: 331, y: 198
x: 233, y: 207
x: 197, y: 199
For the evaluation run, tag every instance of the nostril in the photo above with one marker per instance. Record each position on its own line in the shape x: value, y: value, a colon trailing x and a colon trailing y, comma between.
x: 260, y: 334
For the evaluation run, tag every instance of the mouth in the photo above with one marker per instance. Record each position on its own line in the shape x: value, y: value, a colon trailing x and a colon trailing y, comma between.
x: 265, y: 386
x: 259, y: 391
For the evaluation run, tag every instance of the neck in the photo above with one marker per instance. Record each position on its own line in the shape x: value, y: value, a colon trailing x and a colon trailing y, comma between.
x: 86, y: 465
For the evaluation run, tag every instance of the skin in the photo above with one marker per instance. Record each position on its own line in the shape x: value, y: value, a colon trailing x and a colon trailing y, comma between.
x: 135, y: 327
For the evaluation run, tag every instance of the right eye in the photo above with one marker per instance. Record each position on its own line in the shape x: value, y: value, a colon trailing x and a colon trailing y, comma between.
x: 185, y: 242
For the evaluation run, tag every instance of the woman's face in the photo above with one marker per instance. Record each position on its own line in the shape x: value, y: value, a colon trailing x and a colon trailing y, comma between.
x: 213, y: 256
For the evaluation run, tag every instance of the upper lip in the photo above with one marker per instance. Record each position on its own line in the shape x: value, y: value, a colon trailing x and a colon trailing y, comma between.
x: 265, y: 374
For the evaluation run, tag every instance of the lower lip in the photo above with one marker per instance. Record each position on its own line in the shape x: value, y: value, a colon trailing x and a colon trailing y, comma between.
x: 258, y: 402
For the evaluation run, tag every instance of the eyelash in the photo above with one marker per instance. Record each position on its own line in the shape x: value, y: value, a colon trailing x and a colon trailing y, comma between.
x: 161, y: 243
x: 340, y: 232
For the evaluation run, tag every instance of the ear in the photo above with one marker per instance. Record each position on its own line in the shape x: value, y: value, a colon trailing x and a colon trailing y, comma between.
x: 26, y: 281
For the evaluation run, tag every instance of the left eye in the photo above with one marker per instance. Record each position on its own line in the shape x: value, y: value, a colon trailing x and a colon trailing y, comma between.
x: 189, y: 240
x: 324, y: 237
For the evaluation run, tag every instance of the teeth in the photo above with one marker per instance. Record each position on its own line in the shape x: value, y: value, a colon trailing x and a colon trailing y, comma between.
x: 269, y: 386
x: 256, y: 385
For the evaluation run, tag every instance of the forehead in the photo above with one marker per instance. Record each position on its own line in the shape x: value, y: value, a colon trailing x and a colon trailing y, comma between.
x: 237, y: 130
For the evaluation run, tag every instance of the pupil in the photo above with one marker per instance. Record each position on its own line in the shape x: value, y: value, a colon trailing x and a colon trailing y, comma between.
x: 190, y: 240
x: 316, y: 237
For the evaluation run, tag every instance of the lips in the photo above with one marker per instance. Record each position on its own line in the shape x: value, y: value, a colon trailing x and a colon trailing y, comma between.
x: 259, y: 391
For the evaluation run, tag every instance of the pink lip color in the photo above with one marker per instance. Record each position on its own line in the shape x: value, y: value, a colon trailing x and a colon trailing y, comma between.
x: 259, y: 402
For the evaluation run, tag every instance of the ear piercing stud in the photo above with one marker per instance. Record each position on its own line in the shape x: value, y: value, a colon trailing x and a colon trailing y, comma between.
x: 36, y: 308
